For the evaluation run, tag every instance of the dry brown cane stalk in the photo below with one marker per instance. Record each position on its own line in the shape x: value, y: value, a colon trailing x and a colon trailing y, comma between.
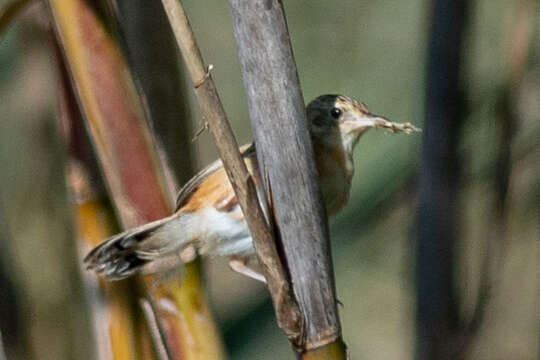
x: 112, y: 320
x: 127, y: 154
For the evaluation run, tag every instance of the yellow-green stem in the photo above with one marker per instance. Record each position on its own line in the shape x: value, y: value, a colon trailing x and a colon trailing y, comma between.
x: 333, y: 351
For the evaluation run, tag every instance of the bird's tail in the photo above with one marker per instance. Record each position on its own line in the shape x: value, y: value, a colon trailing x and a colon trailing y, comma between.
x: 124, y: 254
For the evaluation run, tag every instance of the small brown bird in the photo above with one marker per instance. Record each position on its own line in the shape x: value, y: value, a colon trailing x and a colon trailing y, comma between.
x: 208, y: 215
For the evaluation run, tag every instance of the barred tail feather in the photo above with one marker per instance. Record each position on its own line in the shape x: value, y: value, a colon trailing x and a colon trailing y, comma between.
x: 126, y: 253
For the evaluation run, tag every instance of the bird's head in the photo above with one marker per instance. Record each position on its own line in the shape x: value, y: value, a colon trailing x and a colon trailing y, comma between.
x: 339, y: 120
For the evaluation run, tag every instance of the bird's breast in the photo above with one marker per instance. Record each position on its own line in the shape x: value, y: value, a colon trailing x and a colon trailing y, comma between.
x: 335, y: 169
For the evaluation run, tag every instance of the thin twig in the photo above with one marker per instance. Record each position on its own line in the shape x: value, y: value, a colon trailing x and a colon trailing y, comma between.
x: 153, y: 326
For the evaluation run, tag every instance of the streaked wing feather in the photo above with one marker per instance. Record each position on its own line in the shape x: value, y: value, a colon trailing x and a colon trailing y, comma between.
x: 191, y: 186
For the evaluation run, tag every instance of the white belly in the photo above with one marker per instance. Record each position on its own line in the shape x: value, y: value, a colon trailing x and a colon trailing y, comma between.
x: 224, y: 234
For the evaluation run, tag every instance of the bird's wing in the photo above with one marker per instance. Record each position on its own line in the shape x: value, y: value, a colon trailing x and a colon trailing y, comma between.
x: 211, y: 185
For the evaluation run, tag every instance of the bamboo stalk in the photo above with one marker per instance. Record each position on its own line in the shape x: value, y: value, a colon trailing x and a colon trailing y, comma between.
x: 335, y: 350
x: 437, y: 308
x: 112, y: 320
x: 144, y: 28
x: 285, y: 157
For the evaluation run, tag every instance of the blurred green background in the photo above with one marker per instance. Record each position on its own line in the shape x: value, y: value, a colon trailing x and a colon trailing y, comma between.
x: 372, y: 50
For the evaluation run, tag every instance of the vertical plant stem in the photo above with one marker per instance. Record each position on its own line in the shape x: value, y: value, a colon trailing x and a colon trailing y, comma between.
x: 336, y: 350
x: 113, y: 320
x: 145, y: 31
x: 437, y: 308
x: 131, y: 166
x: 285, y: 157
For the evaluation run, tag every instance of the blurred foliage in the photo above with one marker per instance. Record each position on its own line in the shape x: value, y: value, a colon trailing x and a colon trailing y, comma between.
x: 373, y: 50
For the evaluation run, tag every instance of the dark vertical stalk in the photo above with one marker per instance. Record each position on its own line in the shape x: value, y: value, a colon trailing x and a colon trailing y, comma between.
x: 145, y: 32
x: 437, y: 312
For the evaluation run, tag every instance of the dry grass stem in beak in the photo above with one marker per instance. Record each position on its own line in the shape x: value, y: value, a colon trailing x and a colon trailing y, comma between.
x: 381, y: 122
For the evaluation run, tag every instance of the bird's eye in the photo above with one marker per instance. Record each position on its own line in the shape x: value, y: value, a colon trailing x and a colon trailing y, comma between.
x: 335, y: 112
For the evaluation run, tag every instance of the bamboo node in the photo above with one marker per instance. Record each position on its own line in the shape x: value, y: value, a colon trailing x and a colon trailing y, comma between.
x: 199, y: 83
x: 202, y: 129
